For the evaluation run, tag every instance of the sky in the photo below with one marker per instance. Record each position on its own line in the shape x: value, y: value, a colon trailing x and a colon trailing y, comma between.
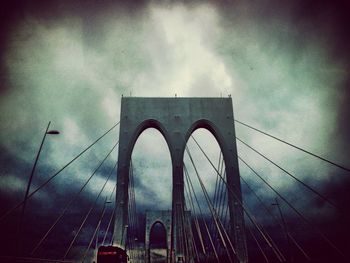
x: 284, y: 63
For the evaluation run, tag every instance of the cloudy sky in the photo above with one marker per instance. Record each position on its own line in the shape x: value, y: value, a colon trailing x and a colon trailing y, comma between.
x: 69, y: 62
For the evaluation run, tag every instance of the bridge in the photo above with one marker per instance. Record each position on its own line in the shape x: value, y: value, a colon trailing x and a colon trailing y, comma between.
x: 206, y: 223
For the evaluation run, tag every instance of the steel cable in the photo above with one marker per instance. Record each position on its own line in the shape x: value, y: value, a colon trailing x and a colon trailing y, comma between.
x: 55, y: 174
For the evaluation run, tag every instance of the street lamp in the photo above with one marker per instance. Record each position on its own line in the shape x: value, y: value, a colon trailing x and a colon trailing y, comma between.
x: 47, y: 131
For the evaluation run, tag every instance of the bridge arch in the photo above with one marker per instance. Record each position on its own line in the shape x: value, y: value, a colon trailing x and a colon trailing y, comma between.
x: 164, y: 217
x: 176, y: 119
x: 208, y: 140
x: 209, y: 126
x: 153, y: 186
x: 143, y: 126
x: 163, y: 236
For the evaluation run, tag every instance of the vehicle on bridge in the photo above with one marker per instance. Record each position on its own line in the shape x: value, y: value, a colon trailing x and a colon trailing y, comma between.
x: 111, y: 254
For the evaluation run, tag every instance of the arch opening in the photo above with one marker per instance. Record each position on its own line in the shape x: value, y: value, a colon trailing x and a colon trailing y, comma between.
x: 158, y: 236
x: 208, y: 175
x: 214, y: 186
x: 163, y: 114
x: 158, y: 249
x: 151, y: 162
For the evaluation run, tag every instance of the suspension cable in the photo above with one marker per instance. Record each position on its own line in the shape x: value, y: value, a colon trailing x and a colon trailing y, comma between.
x: 225, y: 218
x: 189, y: 197
x: 273, y: 245
x: 194, y: 245
x: 192, y: 250
x: 112, y: 239
x: 95, y: 233
x: 220, y: 199
x: 89, y: 212
x: 213, y: 212
x: 217, y: 201
x: 57, y: 173
x: 217, y: 180
x: 275, y: 219
x: 294, y: 146
x: 258, y: 244
x: 110, y: 220
x: 295, y: 210
x: 189, y: 182
x: 218, y: 183
x: 264, y: 234
x: 216, y: 190
x: 222, y: 203
x: 288, y: 173
x: 71, y: 201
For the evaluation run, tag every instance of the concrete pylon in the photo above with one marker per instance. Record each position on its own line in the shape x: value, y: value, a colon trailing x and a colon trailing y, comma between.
x: 153, y: 217
x: 177, y: 119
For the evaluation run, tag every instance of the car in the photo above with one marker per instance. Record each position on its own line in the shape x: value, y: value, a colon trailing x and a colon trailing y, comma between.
x: 111, y: 254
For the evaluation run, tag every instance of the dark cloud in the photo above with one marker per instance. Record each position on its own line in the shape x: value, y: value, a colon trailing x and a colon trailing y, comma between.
x: 285, y: 63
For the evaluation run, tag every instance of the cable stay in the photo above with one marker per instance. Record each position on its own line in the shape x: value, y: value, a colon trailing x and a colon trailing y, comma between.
x: 227, y: 221
x: 192, y: 246
x: 221, y: 214
x: 217, y: 221
x: 55, y: 174
x: 113, y: 191
x: 88, y: 213
x: 71, y: 202
x: 112, y: 239
x: 274, y: 247
x: 216, y: 181
x: 95, y: 232
x: 187, y: 232
x: 286, y: 201
x: 296, y: 211
x: 258, y: 244
x: 263, y: 233
x: 110, y: 220
x: 221, y: 194
x: 195, y: 247
x: 324, y: 198
x: 218, y: 190
x: 294, y: 146
x: 196, y: 223
x: 275, y: 219
x: 189, y: 183
x: 222, y: 199
x: 192, y: 249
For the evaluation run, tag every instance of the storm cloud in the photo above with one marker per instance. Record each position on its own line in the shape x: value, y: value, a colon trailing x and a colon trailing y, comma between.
x: 69, y: 62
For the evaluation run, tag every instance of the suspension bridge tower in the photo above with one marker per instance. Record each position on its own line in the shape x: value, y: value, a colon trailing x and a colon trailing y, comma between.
x: 176, y: 119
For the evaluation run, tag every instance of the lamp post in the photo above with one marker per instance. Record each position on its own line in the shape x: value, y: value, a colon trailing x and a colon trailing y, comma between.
x: 47, y: 131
